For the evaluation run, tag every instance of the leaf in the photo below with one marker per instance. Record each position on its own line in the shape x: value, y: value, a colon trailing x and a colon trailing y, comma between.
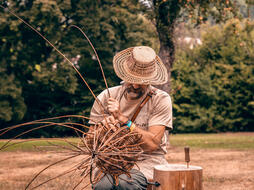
x: 38, y: 67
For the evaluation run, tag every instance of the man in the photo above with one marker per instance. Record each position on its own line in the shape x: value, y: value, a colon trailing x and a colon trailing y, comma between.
x: 139, y: 68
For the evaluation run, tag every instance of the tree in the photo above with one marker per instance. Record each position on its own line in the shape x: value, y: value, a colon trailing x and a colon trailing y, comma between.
x: 166, y: 13
x: 213, y: 83
x: 41, y: 81
x: 12, y: 103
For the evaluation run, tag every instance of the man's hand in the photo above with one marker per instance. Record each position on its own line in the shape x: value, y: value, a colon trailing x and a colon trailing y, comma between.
x: 109, y: 120
x: 114, y: 109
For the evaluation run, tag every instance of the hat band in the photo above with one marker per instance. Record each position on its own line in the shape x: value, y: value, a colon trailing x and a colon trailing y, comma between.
x: 140, y: 69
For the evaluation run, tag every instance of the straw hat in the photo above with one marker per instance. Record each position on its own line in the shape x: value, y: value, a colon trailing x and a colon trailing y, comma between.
x: 140, y: 65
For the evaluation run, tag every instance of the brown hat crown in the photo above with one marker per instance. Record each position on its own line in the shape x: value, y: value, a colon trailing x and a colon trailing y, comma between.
x: 141, y: 62
x: 140, y: 65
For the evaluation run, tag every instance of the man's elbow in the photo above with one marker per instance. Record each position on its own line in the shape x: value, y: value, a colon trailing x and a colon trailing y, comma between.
x: 151, y: 147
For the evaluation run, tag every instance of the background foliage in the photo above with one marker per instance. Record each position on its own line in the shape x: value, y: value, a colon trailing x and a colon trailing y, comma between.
x: 36, y: 82
x: 214, y: 83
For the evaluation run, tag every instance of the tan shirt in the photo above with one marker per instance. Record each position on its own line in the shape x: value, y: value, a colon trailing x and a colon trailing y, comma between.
x: 157, y: 111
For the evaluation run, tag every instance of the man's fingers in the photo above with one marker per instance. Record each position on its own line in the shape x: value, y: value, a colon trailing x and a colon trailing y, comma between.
x: 109, y: 120
x: 112, y: 109
x: 112, y: 119
x: 113, y: 106
x: 112, y: 100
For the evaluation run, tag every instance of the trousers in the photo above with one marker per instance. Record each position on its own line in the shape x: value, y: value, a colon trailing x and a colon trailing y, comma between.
x: 137, y: 182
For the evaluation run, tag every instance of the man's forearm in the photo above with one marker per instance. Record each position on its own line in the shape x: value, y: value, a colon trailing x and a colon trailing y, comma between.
x: 151, y: 139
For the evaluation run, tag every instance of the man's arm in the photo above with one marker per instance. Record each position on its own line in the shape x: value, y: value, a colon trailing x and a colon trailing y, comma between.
x: 151, y: 139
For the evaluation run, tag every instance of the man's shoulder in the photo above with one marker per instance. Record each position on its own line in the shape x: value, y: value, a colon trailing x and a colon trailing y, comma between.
x: 160, y: 93
x: 112, y: 90
x: 161, y: 98
x: 115, y: 90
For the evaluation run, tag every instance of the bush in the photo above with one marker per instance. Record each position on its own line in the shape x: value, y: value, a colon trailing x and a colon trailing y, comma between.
x: 213, y: 83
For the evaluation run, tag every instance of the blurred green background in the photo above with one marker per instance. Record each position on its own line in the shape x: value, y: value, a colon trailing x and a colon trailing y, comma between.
x: 209, y: 49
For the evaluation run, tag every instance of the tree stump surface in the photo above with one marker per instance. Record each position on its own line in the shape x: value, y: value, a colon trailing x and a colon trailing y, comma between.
x: 178, y: 177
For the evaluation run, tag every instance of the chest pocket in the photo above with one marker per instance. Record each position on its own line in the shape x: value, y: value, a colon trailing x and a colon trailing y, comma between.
x: 143, y: 118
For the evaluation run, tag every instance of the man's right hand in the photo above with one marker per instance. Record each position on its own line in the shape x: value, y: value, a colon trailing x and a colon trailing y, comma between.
x: 114, y: 109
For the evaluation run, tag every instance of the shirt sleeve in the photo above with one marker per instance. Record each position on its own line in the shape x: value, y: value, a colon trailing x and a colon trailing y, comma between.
x: 96, y: 114
x: 161, y: 111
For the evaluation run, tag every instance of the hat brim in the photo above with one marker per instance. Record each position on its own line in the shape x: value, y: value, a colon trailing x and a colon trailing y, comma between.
x: 160, y: 76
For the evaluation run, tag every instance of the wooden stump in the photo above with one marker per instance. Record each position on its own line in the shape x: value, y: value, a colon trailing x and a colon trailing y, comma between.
x: 178, y: 177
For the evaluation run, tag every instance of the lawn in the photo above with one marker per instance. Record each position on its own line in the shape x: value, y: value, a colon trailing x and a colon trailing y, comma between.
x: 236, y: 141
x: 227, y: 160
x: 36, y: 144
x: 239, y: 141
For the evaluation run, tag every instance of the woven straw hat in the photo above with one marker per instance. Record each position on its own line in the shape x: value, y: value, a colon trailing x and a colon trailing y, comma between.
x: 140, y: 65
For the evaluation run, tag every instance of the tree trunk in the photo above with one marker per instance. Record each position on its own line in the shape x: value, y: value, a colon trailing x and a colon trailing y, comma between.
x: 166, y: 53
x: 166, y: 13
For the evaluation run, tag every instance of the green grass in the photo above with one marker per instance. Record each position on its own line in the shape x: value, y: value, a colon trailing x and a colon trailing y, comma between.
x: 219, y: 141
x: 36, y: 144
x: 239, y: 141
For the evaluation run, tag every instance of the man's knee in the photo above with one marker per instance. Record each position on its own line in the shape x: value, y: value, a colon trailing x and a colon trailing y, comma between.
x: 137, y: 181
x: 106, y: 183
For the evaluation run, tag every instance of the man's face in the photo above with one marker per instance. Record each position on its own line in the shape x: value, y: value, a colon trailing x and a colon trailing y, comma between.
x: 135, y: 91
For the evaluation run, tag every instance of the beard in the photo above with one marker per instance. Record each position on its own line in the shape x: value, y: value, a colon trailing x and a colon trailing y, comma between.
x: 134, y: 93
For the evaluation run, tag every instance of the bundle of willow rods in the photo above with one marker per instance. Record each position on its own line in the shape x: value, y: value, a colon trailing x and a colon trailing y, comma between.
x: 104, y: 149
x: 112, y: 149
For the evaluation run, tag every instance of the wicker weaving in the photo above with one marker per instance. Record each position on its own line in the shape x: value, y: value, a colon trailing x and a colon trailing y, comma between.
x: 114, y: 149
